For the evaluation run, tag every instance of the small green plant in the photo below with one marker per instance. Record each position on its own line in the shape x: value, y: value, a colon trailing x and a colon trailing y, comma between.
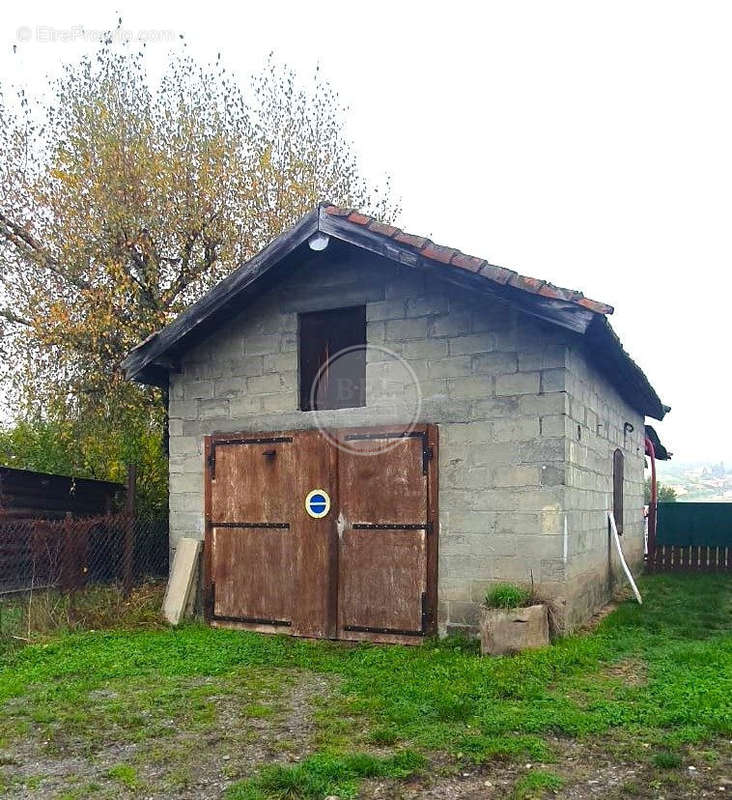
x: 321, y: 775
x: 507, y: 595
x: 126, y: 775
x: 667, y: 760
x: 383, y: 736
x: 536, y: 784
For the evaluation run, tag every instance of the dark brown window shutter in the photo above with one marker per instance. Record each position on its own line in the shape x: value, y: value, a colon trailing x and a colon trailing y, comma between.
x: 332, y: 359
x: 618, y: 480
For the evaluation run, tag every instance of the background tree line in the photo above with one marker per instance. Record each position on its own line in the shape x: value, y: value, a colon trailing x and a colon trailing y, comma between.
x: 122, y: 202
x: 666, y: 494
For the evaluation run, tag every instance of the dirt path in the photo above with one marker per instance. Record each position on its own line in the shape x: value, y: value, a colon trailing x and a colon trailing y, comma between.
x: 184, y: 764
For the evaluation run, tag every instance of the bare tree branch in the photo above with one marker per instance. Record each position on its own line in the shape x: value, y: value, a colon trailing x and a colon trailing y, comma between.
x: 14, y: 318
x: 31, y: 248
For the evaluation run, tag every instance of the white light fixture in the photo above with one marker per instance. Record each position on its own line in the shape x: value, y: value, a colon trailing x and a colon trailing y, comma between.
x: 318, y: 241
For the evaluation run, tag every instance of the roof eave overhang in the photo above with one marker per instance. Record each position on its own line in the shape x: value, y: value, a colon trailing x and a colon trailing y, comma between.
x: 150, y: 361
x: 631, y: 382
x: 660, y: 452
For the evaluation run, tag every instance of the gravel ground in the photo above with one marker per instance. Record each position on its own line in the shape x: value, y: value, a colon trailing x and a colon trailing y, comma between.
x: 185, y: 765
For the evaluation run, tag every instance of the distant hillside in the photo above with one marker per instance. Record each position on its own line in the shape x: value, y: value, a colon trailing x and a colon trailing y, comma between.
x: 697, y: 481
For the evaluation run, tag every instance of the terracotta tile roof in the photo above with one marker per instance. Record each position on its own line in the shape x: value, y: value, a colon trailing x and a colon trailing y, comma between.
x: 454, y: 258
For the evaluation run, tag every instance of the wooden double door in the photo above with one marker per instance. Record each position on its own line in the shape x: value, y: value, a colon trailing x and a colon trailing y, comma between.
x: 366, y: 569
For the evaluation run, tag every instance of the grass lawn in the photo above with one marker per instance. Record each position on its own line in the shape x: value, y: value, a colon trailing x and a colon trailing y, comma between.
x: 640, y: 707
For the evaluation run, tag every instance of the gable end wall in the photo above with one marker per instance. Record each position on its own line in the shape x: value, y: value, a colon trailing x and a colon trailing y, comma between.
x: 496, y: 381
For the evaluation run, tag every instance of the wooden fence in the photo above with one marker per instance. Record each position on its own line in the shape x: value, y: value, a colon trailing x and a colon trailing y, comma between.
x: 692, y: 537
x: 38, y: 495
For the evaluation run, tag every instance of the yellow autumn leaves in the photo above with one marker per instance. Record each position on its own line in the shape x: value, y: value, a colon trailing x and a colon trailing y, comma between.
x: 123, y: 202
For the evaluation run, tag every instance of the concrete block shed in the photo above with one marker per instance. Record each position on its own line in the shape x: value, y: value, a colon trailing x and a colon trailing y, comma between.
x: 370, y: 430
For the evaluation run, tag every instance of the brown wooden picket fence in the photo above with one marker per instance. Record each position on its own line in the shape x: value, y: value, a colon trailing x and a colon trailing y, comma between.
x: 694, y: 558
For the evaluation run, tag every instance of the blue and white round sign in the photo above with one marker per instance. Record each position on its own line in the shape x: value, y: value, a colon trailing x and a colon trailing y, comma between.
x: 317, y: 503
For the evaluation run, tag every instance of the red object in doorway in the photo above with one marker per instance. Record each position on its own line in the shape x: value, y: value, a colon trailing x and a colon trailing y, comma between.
x: 653, y: 505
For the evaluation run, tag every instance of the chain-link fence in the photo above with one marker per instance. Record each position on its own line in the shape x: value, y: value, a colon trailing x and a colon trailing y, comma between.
x: 51, y: 569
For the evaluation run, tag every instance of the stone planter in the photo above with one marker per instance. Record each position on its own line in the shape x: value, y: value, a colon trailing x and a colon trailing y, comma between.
x: 510, y: 630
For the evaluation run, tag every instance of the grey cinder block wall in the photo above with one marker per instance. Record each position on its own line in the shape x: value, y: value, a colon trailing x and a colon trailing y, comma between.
x: 527, y: 426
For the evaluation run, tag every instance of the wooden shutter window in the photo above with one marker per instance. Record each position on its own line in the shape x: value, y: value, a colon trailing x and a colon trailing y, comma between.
x: 332, y: 359
x: 618, y: 481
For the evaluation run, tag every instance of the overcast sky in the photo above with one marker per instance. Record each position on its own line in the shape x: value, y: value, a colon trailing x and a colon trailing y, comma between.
x: 586, y: 143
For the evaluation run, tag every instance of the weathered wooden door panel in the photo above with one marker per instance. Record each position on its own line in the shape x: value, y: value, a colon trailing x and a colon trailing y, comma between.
x: 251, y: 523
x: 383, y: 477
x: 248, y: 478
x: 383, y: 581
x: 384, y: 524
x: 253, y: 575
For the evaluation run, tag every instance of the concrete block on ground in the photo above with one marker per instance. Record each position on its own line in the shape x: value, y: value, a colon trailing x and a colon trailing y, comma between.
x: 506, y: 631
